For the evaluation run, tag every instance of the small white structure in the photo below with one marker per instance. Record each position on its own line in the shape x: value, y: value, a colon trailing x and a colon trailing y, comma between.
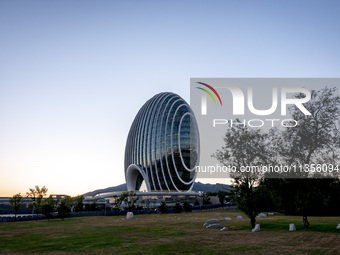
x: 292, y: 227
x: 338, y: 227
x: 256, y: 229
x: 129, y: 215
x: 239, y: 217
x: 224, y: 229
x: 225, y: 219
x: 216, y: 225
x: 211, y: 221
x: 261, y: 215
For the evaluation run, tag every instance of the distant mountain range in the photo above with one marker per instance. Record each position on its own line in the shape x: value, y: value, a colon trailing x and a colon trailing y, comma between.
x: 212, y: 188
x: 198, y: 186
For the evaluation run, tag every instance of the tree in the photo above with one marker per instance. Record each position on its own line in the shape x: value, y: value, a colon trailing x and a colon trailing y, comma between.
x: 132, y: 198
x: 48, y: 207
x: 117, y: 202
x: 222, y: 196
x: 37, y: 195
x: 78, y: 203
x: 16, y: 202
x: 64, y: 207
x: 206, y: 198
x: 315, y: 140
x: 127, y: 200
x: 243, y: 149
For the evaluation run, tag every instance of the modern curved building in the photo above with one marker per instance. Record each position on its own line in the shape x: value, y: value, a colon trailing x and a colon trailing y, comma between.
x: 162, y: 148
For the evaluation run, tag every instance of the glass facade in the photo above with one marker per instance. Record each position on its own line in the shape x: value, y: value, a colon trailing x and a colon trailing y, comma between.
x: 162, y: 147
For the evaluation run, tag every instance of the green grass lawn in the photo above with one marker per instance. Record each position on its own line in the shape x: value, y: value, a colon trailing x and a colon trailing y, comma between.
x: 165, y: 234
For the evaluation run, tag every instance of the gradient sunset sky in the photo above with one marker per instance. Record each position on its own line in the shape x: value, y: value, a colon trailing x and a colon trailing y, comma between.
x: 73, y: 74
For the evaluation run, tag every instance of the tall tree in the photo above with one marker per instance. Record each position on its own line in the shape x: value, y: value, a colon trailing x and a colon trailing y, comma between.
x: 314, y: 141
x: 64, y: 207
x: 37, y: 195
x: 16, y: 202
x: 243, y: 149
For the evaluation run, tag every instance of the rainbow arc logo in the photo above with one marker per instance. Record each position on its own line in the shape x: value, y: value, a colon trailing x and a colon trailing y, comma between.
x: 209, y: 93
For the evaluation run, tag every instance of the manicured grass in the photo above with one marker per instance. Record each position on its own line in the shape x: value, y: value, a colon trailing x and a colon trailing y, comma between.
x: 165, y: 234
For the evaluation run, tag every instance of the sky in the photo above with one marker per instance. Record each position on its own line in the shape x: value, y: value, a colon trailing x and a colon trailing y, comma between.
x: 73, y: 74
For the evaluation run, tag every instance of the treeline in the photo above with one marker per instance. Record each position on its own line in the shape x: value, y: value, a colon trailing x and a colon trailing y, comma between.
x: 61, y: 207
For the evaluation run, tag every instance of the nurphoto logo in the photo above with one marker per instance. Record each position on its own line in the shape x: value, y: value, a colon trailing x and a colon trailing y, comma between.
x: 238, y: 106
x: 267, y: 120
